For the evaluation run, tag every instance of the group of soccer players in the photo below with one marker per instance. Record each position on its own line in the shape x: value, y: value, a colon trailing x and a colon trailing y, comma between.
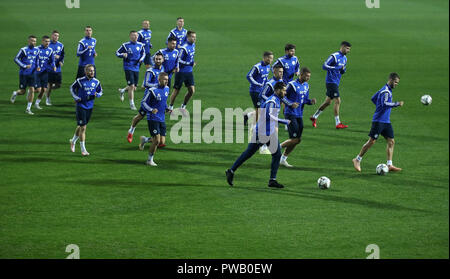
x: 40, y: 70
x: 270, y: 96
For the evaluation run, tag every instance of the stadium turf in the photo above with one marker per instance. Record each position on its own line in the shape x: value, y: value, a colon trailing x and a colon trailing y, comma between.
x: 113, y: 206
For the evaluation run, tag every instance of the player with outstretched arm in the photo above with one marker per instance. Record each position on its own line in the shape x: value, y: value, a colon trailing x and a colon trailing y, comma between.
x: 381, y: 122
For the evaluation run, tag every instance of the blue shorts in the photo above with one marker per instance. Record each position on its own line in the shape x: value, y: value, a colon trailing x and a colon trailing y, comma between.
x: 384, y: 129
x: 295, y: 128
x: 148, y: 59
x: 42, y: 79
x: 27, y: 81
x: 83, y: 116
x: 55, y: 78
x: 187, y: 78
x: 255, y: 99
x: 332, y: 90
x: 132, y: 77
x: 156, y: 128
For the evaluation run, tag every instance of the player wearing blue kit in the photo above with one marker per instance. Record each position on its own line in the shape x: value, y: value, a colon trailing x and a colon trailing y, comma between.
x: 86, y: 52
x: 268, y: 89
x: 151, y: 80
x: 179, y: 33
x: 55, y: 77
x: 145, y: 36
x: 26, y: 59
x: 132, y: 53
x: 155, y: 104
x: 381, y: 122
x: 297, y: 92
x: 336, y: 66
x: 289, y: 62
x: 257, y: 77
x: 84, y: 91
x: 170, y: 54
x: 45, y: 64
x: 265, y: 132
x: 185, y: 75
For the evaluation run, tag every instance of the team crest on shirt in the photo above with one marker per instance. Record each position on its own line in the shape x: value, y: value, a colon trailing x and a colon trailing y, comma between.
x: 137, y: 48
x: 167, y: 94
x: 93, y: 84
x: 174, y: 55
x: 293, y: 62
x: 46, y: 52
x: 59, y: 47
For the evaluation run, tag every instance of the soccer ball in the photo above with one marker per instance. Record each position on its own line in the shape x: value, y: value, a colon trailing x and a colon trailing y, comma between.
x: 324, y: 182
x: 426, y: 100
x: 382, y: 169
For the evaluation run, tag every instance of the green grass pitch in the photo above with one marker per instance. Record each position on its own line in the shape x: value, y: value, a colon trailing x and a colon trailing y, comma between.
x: 113, y: 206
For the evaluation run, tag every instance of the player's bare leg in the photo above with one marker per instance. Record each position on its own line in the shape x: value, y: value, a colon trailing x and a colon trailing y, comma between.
x: 390, y: 153
x: 173, y: 96
x: 152, y: 150
x: 41, y: 91
x: 364, y: 149
x: 30, y: 98
x: 290, y: 145
x: 337, y: 104
x: 73, y: 140
x: 15, y: 94
x: 188, y: 96
x: 322, y: 107
x: 134, y: 123
x: 122, y: 92
x: 131, y: 89
x: 82, y: 134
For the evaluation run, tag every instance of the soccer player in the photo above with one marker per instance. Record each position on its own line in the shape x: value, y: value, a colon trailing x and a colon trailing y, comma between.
x: 132, y: 53
x: 268, y: 89
x: 144, y: 36
x: 46, y: 63
x: 186, y: 64
x: 297, y: 92
x: 289, y: 62
x: 26, y: 59
x: 178, y: 32
x: 55, y: 77
x: 151, y: 80
x: 336, y: 66
x: 170, y: 54
x: 155, y: 103
x: 86, y: 52
x: 84, y: 91
x: 266, y: 127
x: 381, y: 123
x: 257, y: 77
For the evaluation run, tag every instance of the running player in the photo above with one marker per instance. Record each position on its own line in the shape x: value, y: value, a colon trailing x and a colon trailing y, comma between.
x: 381, y: 122
x: 84, y: 91
x: 265, y: 132
x: 336, y: 66
x: 26, y: 59
x: 46, y: 63
x: 297, y: 92
x: 132, y: 53
x: 55, y: 77
x: 86, y: 52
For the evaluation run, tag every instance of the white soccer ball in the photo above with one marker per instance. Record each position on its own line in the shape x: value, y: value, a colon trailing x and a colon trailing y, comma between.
x: 324, y: 182
x: 382, y: 169
x: 426, y: 100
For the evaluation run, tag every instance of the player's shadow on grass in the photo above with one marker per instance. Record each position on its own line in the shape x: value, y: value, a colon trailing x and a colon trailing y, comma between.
x: 327, y: 197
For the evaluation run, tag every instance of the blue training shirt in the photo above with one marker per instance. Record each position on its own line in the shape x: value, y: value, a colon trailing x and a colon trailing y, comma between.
x: 145, y: 36
x: 383, y: 102
x: 58, y: 49
x: 290, y: 66
x: 270, y: 108
x: 296, y: 92
x: 186, y: 57
x: 257, y: 76
x: 151, y: 76
x: 336, y: 66
x: 46, y: 59
x: 27, y: 56
x: 155, y: 98
x: 170, y: 59
x: 135, y: 55
x: 85, y: 53
x: 86, y: 90
x: 179, y: 34
x: 268, y: 89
